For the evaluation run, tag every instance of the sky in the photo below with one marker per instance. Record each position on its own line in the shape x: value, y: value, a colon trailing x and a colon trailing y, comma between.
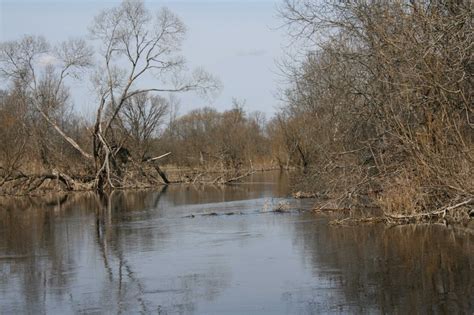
x: 237, y: 41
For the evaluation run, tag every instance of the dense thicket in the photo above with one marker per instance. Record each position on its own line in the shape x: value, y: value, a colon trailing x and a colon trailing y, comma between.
x: 380, y: 107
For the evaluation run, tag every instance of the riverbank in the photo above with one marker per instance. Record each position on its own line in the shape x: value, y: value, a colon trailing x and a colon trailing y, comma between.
x: 20, y: 184
x: 340, y: 213
x: 347, y: 214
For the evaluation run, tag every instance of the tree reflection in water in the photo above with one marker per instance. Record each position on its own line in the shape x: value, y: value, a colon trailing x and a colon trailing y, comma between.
x: 401, y: 269
x: 45, y: 243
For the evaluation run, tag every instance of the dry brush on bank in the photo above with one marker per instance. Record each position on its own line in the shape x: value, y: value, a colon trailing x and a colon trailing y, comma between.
x: 380, y: 107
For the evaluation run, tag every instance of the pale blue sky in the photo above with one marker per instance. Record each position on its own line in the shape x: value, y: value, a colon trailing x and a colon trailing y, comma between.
x: 234, y: 40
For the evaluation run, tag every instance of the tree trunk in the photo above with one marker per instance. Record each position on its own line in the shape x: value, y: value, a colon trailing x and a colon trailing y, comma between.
x: 161, y: 173
x: 100, y: 171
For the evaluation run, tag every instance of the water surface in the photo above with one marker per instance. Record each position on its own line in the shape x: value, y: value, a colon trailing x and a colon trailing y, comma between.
x: 220, y: 250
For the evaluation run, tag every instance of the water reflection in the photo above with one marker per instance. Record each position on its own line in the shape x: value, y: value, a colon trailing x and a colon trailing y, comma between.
x: 136, y: 252
x: 402, y: 269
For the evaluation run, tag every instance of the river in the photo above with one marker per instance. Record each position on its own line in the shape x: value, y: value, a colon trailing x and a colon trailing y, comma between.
x: 222, y: 250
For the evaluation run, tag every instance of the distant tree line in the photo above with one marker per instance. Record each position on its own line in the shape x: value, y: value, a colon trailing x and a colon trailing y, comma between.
x: 215, y: 140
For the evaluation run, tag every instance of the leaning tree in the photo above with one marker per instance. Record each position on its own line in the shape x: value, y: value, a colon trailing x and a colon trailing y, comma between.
x: 134, y: 47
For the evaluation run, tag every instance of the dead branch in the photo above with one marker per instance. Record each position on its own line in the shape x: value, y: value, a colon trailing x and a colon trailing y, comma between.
x: 237, y: 178
x: 436, y: 213
x: 158, y: 157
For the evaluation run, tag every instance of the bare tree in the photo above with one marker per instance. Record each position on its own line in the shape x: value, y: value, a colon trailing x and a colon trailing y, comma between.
x: 40, y: 70
x: 135, y: 44
x: 141, y: 118
x: 14, y: 134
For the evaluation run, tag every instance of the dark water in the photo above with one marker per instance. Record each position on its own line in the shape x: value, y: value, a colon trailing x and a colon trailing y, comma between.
x: 142, y: 254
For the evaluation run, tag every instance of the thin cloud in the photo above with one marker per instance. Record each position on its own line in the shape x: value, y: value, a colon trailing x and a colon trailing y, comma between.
x: 46, y: 60
x: 251, y: 53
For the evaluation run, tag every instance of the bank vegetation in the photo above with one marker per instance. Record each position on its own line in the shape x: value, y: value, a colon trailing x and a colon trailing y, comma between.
x: 380, y: 105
